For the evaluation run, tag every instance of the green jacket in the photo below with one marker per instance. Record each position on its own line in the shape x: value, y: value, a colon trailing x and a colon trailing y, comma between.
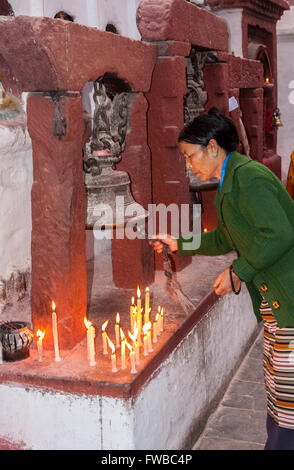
x: 255, y: 218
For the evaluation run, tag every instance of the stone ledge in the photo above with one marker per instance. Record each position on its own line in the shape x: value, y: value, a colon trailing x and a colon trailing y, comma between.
x: 73, y: 375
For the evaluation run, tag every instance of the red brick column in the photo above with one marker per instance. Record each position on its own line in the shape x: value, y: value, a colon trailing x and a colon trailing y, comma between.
x: 58, y: 220
x: 133, y: 260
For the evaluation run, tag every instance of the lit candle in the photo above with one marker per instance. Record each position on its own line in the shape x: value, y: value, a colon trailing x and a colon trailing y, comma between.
x: 132, y: 358
x: 104, y: 337
x: 123, y: 350
x: 145, y: 340
x: 147, y: 300
x: 113, y: 355
x: 155, y: 324
x: 149, y: 343
x: 266, y: 80
x: 117, y: 338
x: 132, y: 308
x: 55, y: 333
x: 135, y: 343
x: 40, y: 334
x: 134, y: 318
x: 161, y: 319
x: 138, y: 299
x: 90, y: 342
x: 139, y: 326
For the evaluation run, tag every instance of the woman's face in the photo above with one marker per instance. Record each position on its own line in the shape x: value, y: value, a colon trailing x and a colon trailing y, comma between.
x: 200, y: 160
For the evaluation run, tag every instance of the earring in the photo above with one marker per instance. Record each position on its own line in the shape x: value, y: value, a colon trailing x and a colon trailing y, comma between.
x: 214, y: 154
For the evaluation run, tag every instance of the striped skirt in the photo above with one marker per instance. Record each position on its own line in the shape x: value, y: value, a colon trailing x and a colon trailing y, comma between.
x: 278, y: 369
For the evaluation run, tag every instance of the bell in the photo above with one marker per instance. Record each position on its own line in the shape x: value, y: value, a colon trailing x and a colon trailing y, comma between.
x: 276, y: 118
x: 110, y: 202
x: 109, y: 199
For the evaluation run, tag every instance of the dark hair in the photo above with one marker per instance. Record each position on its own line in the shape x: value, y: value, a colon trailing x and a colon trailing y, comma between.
x: 213, y: 125
x: 62, y: 15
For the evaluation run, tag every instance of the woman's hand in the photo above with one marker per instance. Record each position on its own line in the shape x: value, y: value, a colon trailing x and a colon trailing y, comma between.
x: 167, y: 239
x: 222, y: 284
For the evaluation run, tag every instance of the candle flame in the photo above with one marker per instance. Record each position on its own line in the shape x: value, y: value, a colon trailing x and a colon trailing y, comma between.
x: 122, y: 335
x: 104, y: 325
x: 158, y: 308
x: 53, y: 306
x: 111, y: 345
x: 157, y: 316
x: 147, y: 289
x: 87, y: 323
x: 117, y: 318
x: 145, y: 328
x: 133, y: 300
x: 40, y: 335
x: 138, y: 292
x: 267, y: 80
x: 161, y: 311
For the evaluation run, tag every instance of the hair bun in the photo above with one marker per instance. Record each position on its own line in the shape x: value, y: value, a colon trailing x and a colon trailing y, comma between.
x: 214, y: 111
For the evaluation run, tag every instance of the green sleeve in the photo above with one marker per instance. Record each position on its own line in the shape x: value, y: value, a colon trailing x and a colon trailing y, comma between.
x: 212, y: 244
x: 273, y: 233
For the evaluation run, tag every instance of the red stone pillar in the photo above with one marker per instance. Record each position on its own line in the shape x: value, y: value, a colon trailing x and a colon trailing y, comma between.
x: 58, y: 220
x: 133, y: 260
x: 165, y: 120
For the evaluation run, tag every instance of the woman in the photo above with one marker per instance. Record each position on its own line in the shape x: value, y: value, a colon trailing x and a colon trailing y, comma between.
x: 256, y: 219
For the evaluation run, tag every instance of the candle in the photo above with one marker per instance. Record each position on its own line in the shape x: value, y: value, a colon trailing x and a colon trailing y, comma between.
x: 138, y: 299
x: 135, y: 343
x: 132, y: 308
x: 161, y: 319
x: 40, y: 334
x: 104, y: 337
x: 147, y: 300
x: 155, y: 324
x: 117, y: 338
x: 132, y: 358
x: 90, y: 342
x: 123, y: 350
x: 145, y: 339
x: 55, y: 333
x: 113, y: 355
x: 149, y: 343
x: 139, y: 326
x: 134, y: 319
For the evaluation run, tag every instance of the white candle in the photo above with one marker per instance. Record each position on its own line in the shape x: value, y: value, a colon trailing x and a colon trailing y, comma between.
x: 123, y: 350
x: 145, y: 340
x: 104, y: 337
x: 117, y: 336
x: 133, y: 364
x: 161, y: 319
x: 132, y: 308
x: 147, y: 300
x: 135, y: 343
x: 155, y: 324
x: 90, y: 342
x: 139, y: 314
x: 149, y: 343
x: 40, y: 334
x: 113, y: 356
x: 55, y: 333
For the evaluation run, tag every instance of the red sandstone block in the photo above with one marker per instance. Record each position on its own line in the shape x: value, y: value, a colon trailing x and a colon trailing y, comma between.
x: 180, y: 20
x: 64, y: 55
x: 245, y: 73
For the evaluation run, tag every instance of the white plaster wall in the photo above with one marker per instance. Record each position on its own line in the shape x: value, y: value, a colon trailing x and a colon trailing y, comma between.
x: 285, y: 44
x: 93, y: 13
x: 167, y: 410
x: 16, y: 175
x: 233, y: 17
